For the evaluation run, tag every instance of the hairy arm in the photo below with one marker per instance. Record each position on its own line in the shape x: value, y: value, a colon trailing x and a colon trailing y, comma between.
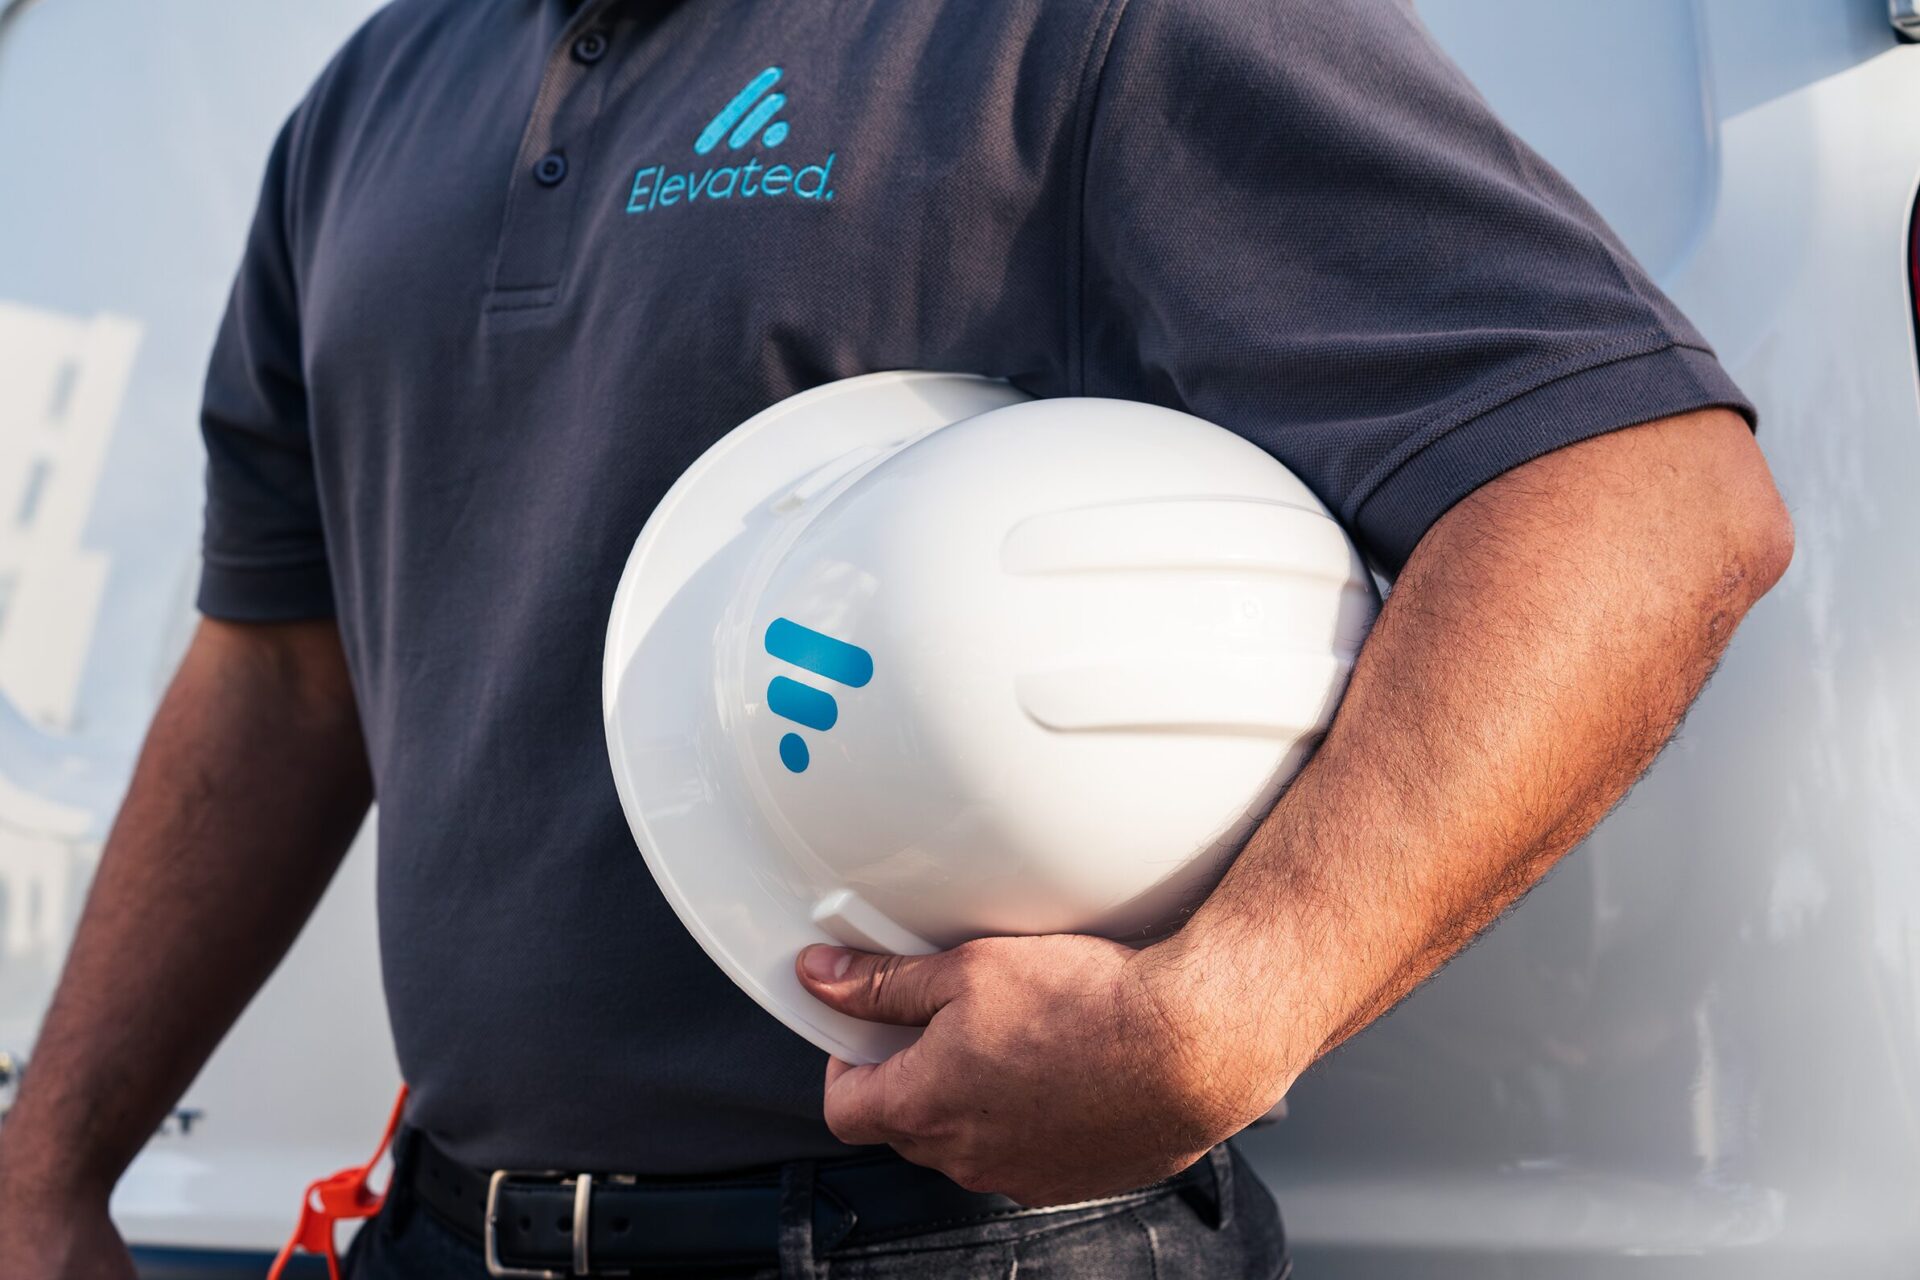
x: 250, y: 786
x: 1539, y: 648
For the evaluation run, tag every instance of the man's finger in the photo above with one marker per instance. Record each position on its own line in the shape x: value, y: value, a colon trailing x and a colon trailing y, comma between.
x: 856, y: 1104
x: 907, y: 990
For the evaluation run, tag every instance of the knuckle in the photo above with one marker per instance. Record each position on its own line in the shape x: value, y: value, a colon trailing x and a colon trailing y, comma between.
x: 882, y: 978
x: 980, y: 951
x: 970, y: 963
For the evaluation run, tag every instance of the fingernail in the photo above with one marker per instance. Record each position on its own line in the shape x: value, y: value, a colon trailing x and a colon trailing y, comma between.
x: 826, y: 964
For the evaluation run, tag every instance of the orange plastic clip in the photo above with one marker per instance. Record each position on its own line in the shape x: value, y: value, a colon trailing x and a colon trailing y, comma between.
x: 344, y: 1197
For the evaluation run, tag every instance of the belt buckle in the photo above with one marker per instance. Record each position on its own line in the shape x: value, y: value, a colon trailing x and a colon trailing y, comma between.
x: 582, y: 1202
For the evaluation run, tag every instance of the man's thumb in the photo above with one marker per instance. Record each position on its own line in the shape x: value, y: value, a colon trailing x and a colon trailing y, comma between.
x: 907, y: 990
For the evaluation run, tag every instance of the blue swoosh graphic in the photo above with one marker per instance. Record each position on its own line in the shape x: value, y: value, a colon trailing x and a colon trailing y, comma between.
x: 730, y: 114
x: 837, y: 660
x: 802, y: 704
x: 794, y: 753
x: 769, y: 105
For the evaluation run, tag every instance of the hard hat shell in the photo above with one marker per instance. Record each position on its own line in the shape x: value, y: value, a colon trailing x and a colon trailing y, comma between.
x: 912, y: 658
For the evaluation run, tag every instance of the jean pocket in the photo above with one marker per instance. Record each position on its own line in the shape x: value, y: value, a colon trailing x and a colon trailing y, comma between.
x: 993, y: 1260
x: 1185, y: 1244
x: 1088, y: 1241
x: 1117, y: 1246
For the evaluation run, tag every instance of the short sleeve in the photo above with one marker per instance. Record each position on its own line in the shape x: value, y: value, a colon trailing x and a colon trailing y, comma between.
x: 1303, y: 224
x: 263, y: 550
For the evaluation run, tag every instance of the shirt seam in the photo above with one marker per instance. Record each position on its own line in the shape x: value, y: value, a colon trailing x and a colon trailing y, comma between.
x: 1498, y: 398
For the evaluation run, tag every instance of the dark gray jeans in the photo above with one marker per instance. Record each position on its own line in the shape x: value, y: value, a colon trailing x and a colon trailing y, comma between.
x: 1156, y: 1236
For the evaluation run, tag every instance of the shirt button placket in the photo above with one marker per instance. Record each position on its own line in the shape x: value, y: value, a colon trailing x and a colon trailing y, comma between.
x: 590, y: 48
x: 544, y: 195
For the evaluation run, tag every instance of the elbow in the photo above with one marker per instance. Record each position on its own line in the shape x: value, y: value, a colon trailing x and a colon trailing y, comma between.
x: 1732, y: 494
x: 1762, y: 540
x: 1779, y: 547
x: 1755, y: 546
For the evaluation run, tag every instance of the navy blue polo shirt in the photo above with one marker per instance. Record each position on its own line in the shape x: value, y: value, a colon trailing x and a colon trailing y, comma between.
x: 518, y: 262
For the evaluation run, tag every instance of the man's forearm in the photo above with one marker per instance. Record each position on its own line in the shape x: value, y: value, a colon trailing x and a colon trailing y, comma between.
x: 250, y: 786
x: 1538, y: 650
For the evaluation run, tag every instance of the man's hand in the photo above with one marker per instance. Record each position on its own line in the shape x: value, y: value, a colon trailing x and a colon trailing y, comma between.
x: 1052, y: 1070
x: 251, y: 784
x: 1539, y: 648
x: 40, y: 1237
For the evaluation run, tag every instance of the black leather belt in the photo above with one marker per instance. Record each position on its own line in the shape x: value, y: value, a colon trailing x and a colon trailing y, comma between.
x: 555, y: 1225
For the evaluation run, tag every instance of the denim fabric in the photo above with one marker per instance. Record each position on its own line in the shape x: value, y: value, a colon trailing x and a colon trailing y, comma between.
x: 1157, y: 1236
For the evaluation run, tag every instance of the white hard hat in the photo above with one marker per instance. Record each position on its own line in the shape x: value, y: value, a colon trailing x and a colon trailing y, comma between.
x: 912, y: 658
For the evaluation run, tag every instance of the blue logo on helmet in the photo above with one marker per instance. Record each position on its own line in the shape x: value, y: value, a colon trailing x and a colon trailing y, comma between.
x: 804, y: 705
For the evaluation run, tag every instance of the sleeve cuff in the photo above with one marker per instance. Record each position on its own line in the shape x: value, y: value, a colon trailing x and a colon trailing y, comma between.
x: 269, y: 593
x: 1577, y: 406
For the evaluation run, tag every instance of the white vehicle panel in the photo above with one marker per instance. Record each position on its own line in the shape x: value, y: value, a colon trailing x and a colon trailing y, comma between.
x: 133, y: 138
x: 1694, y: 1052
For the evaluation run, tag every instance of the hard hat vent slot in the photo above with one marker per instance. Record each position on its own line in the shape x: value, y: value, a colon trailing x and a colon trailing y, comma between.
x: 1283, y: 695
x: 1248, y: 535
x: 851, y: 920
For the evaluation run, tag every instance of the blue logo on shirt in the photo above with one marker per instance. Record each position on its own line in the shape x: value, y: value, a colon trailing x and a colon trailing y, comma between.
x: 748, y: 116
x: 811, y: 708
x: 742, y: 104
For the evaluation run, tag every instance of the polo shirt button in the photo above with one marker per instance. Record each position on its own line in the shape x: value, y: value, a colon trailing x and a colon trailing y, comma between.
x: 590, y: 48
x: 552, y: 168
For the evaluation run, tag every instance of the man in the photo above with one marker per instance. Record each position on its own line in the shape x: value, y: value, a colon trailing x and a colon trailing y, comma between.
x: 517, y: 263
